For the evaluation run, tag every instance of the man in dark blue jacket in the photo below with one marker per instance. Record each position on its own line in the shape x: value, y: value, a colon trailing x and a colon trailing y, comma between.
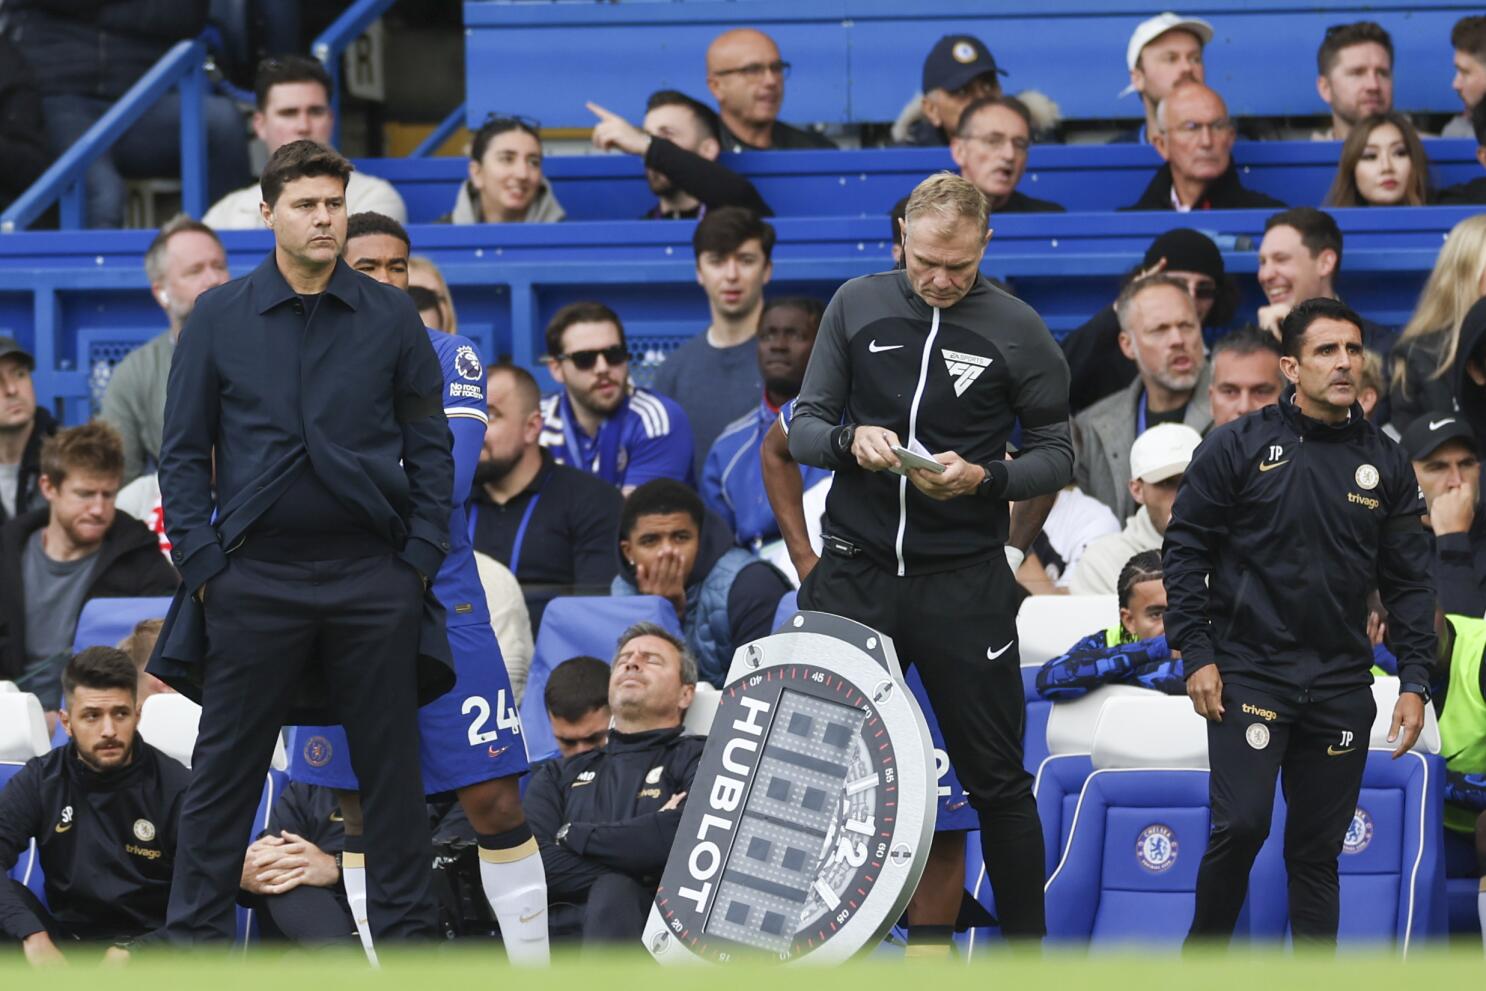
x: 1286, y: 520
x: 307, y: 472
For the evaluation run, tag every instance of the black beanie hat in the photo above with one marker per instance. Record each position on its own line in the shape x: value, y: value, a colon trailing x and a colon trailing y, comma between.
x: 1186, y: 250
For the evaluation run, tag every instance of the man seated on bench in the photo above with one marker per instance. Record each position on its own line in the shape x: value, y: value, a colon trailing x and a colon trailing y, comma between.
x: 745, y: 75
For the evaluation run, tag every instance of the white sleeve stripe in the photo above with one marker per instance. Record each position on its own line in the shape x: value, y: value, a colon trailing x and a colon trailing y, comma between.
x: 658, y: 418
x: 647, y: 418
x: 467, y: 412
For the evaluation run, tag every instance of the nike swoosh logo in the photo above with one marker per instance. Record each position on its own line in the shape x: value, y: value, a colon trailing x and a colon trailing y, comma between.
x: 1436, y: 424
x: 63, y: 828
x: 993, y: 654
x: 1273, y: 465
x: 1333, y: 752
x: 876, y: 348
x: 535, y: 915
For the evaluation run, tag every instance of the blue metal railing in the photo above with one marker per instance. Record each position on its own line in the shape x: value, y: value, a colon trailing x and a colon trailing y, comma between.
x: 440, y: 134
x: 184, y: 66
x: 334, y: 40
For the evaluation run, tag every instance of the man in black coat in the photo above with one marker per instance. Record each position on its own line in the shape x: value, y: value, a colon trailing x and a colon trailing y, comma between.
x: 307, y: 472
x: 23, y: 426
x: 75, y: 548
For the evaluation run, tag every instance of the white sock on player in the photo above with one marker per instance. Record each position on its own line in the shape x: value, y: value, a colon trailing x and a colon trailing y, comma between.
x: 353, y: 876
x: 516, y: 888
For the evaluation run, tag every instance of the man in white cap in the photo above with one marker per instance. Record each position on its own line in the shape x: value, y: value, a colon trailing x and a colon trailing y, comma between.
x: 1158, y: 459
x: 1163, y: 50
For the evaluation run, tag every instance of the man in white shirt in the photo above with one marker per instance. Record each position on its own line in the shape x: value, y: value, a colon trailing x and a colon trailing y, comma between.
x: 294, y: 103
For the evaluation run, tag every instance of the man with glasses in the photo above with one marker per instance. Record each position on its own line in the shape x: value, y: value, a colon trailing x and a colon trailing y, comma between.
x: 599, y: 422
x: 1195, y: 136
x: 746, y: 77
x: 990, y: 147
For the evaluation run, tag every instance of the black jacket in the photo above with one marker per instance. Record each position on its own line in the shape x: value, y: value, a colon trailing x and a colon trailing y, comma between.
x: 713, y: 183
x: 1020, y: 202
x: 786, y: 138
x: 27, y: 484
x: 1282, y: 527
x: 99, y: 47
x: 129, y: 564
x: 611, y: 799
x: 107, y: 842
x: 1460, y: 568
x: 1465, y: 194
x: 1225, y: 193
x: 354, y: 395
x: 1096, y: 365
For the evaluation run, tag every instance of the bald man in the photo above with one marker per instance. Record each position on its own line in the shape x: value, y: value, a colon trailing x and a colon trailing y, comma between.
x: 746, y: 76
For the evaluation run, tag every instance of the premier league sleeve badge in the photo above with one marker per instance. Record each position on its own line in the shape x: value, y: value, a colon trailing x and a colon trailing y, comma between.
x: 806, y: 831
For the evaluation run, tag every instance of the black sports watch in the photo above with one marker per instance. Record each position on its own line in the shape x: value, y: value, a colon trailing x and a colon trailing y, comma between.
x: 845, y: 438
x: 1417, y: 688
x: 560, y: 837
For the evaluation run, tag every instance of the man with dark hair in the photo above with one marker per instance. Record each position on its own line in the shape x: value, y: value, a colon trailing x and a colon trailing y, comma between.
x: 1300, y: 258
x: 990, y: 147
x: 429, y: 310
x: 1474, y: 191
x: 55, y: 559
x: 293, y: 95
x: 1194, y: 135
x: 577, y: 701
x: 185, y: 259
x: 551, y: 524
x: 1246, y: 374
x: 1274, y: 643
x: 103, y: 811
x: 1354, y: 75
x: 732, y: 479
x: 309, y: 513
x: 23, y: 427
x: 378, y: 247
x: 606, y: 818
x: 670, y: 546
x: 1447, y: 462
x: 746, y: 77
x: 1468, y: 38
x: 598, y: 423
x: 714, y: 375
x: 958, y: 71
x: 679, y: 141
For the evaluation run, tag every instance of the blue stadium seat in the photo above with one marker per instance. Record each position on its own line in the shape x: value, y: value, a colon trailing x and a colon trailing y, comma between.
x: 1034, y: 730
x: 104, y: 622
x: 22, y: 736
x: 788, y: 606
x: 247, y: 923
x: 574, y: 625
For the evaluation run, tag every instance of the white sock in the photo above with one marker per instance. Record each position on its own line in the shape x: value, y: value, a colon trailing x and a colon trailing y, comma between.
x: 516, y: 888
x: 1481, y: 909
x: 353, y: 876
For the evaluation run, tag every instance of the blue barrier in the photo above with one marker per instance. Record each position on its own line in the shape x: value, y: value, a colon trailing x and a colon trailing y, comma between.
x: 80, y: 301
x: 860, y: 60
x: 184, y: 67
x: 445, y: 129
x: 867, y: 183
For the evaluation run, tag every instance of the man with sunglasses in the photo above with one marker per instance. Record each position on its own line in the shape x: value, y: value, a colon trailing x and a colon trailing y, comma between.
x: 746, y: 77
x: 599, y: 422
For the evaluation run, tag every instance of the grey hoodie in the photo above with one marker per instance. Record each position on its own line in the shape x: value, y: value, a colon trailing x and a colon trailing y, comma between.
x: 543, y: 210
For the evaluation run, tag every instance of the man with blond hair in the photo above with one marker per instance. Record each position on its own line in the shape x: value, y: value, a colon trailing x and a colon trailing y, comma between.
x: 934, y: 359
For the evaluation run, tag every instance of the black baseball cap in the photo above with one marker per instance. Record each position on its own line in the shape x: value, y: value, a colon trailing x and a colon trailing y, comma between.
x: 956, y: 59
x: 1431, y: 430
x: 9, y: 347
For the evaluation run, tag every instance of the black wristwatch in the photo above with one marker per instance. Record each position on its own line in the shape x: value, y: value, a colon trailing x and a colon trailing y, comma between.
x: 562, y: 833
x: 845, y: 439
x: 1418, y: 689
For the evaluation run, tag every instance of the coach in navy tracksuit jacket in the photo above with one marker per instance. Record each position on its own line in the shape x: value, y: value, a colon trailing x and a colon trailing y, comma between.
x: 306, y: 476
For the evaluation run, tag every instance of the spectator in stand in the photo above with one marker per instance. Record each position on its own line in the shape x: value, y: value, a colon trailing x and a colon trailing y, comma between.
x: 103, y: 812
x: 670, y: 546
x: 1246, y: 374
x: 1446, y: 457
x: 1163, y: 50
x: 139, y: 645
x: 1426, y: 360
x: 293, y: 95
x: 183, y: 261
x: 1158, y: 459
x: 1372, y: 389
x: 24, y: 426
x: 506, y: 184
x: 1159, y: 331
x: 86, y: 57
x: 577, y: 701
x: 1133, y: 652
x: 745, y: 75
x: 1474, y: 191
x: 1354, y: 75
x: 1300, y: 258
x: 599, y: 423
x: 958, y: 71
x: 1468, y: 38
x: 679, y: 143
x: 429, y: 309
x: 715, y: 376
x: 732, y: 479
x: 75, y: 549
x: 605, y: 846
x: 550, y: 523
x: 1096, y: 364
x: 23, y: 145
x: 424, y: 274
x: 1194, y: 134
x: 1076, y: 521
x: 1382, y: 164
x: 990, y: 147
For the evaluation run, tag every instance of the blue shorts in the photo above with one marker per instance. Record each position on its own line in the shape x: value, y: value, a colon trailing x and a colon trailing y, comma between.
x: 955, y: 812
x: 468, y: 736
